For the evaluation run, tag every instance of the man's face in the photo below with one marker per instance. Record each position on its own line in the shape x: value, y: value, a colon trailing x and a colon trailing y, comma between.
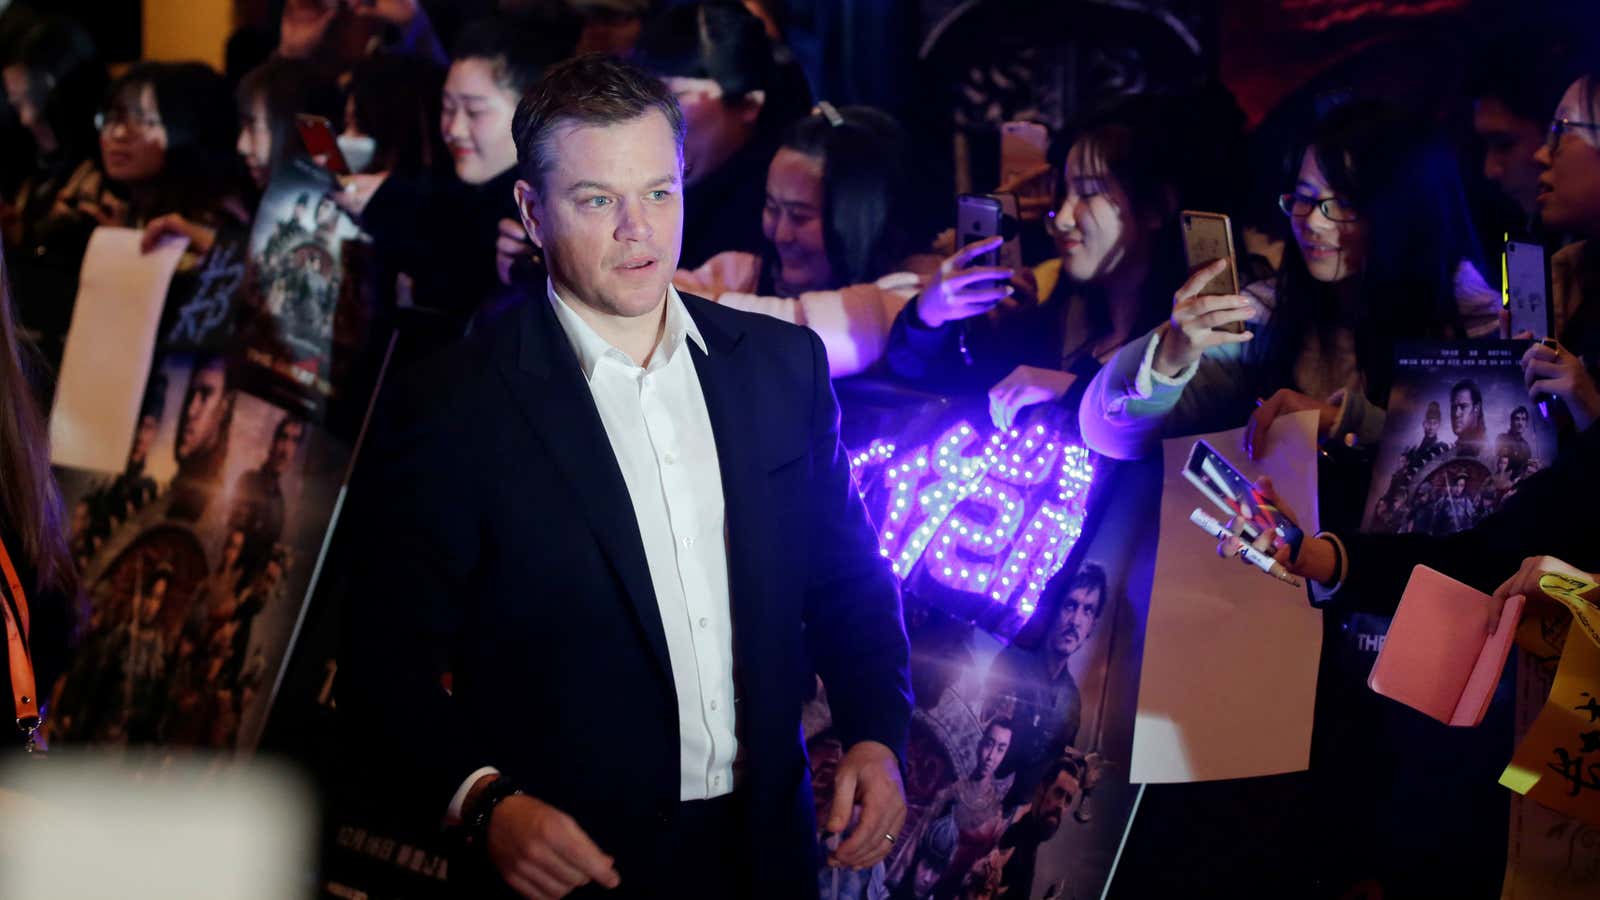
x: 1509, y: 143
x: 1463, y: 413
x: 991, y: 751
x: 1051, y: 803
x: 204, y: 408
x: 609, y: 214
x: 1430, y: 427
x: 284, y: 442
x: 1519, y: 421
x: 1080, y: 609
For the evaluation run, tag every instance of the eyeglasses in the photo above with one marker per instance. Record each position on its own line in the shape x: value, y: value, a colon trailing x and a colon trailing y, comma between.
x: 1333, y: 209
x: 1558, y: 127
x: 133, y: 120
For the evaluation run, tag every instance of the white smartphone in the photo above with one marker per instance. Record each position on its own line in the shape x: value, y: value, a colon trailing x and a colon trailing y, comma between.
x: 1527, y: 288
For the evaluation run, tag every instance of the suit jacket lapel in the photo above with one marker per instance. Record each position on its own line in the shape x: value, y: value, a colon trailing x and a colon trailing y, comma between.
x: 547, y: 382
x: 744, y: 487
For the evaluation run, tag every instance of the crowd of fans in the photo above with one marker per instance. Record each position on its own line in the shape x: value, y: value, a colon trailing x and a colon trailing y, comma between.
x: 827, y: 216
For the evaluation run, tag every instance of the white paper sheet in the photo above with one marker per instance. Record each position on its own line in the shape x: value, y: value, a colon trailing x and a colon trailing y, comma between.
x: 107, y: 357
x: 1229, y: 679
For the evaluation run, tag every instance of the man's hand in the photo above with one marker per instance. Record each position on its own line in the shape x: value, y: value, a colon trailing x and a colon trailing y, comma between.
x: 869, y: 776
x: 542, y: 853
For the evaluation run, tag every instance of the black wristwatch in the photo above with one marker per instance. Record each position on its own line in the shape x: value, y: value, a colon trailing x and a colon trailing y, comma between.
x: 476, y: 817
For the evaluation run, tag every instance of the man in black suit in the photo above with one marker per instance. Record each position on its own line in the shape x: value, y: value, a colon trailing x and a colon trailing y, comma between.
x: 607, y: 547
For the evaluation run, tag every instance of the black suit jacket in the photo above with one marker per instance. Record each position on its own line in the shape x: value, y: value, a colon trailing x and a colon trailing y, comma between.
x: 500, y: 547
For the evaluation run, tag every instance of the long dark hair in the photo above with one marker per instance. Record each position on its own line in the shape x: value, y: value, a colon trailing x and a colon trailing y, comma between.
x: 1142, y: 144
x: 202, y: 168
x: 395, y: 99
x: 286, y: 87
x: 66, y: 71
x: 1404, y: 182
x: 867, y: 190
x: 29, y: 501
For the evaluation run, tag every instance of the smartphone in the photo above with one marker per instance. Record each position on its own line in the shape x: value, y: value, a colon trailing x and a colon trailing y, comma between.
x: 1233, y: 494
x: 1023, y: 148
x: 980, y: 216
x: 1208, y: 237
x: 316, y: 132
x: 1526, y: 292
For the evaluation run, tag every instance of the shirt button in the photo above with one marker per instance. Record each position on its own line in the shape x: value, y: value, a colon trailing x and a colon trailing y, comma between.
x: 716, y: 781
x: 669, y: 459
x: 704, y: 622
x: 688, y: 542
x: 713, y: 706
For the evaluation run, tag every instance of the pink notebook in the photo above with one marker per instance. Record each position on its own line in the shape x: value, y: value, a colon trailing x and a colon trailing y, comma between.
x: 1440, y: 657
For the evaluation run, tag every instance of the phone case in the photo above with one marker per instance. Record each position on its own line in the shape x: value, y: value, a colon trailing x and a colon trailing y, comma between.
x: 1527, y: 295
x: 979, y: 217
x: 316, y: 133
x: 1208, y: 237
x: 1290, y: 533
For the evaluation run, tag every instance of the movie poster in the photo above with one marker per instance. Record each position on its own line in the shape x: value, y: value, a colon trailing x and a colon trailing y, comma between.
x: 194, y: 560
x: 1461, y: 433
x: 307, y: 304
x: 1017, y: 758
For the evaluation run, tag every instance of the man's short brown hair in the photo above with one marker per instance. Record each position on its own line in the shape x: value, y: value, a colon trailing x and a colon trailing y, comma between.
x: 586, y: 90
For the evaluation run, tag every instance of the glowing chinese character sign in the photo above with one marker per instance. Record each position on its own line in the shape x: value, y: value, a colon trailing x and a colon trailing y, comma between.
x: 978, y: 518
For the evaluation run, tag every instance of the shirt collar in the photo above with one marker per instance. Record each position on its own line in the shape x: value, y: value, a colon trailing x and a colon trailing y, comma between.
x: 591, y: 347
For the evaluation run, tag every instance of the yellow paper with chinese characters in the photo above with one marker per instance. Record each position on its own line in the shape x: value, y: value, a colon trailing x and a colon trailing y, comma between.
x: 1557, y: 764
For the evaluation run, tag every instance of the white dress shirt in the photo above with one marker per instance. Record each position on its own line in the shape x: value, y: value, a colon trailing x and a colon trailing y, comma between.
x: 660, y: 432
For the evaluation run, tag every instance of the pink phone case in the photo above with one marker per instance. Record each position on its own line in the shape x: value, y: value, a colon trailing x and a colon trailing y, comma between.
x: 1439, y: 657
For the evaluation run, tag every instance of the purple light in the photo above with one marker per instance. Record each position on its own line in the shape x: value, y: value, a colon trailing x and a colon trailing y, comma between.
x: 973, y: 499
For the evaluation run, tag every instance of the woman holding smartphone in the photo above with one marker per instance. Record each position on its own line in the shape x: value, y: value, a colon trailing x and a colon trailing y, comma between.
x: 1569, y: 202
x: 1119, y: 246
x: 1383, y: 250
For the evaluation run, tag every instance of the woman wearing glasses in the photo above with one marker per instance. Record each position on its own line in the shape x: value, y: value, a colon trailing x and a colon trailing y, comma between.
x: 1386, y: 252
x: 1120, y: 250
x: 1569, y: 203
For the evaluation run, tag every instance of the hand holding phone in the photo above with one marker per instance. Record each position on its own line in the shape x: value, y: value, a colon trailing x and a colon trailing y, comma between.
x: 960, y: 289
x: 1237, y: 496
x: 316, y: 132
x: 1208, y: 237
x: 1195, y: 325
